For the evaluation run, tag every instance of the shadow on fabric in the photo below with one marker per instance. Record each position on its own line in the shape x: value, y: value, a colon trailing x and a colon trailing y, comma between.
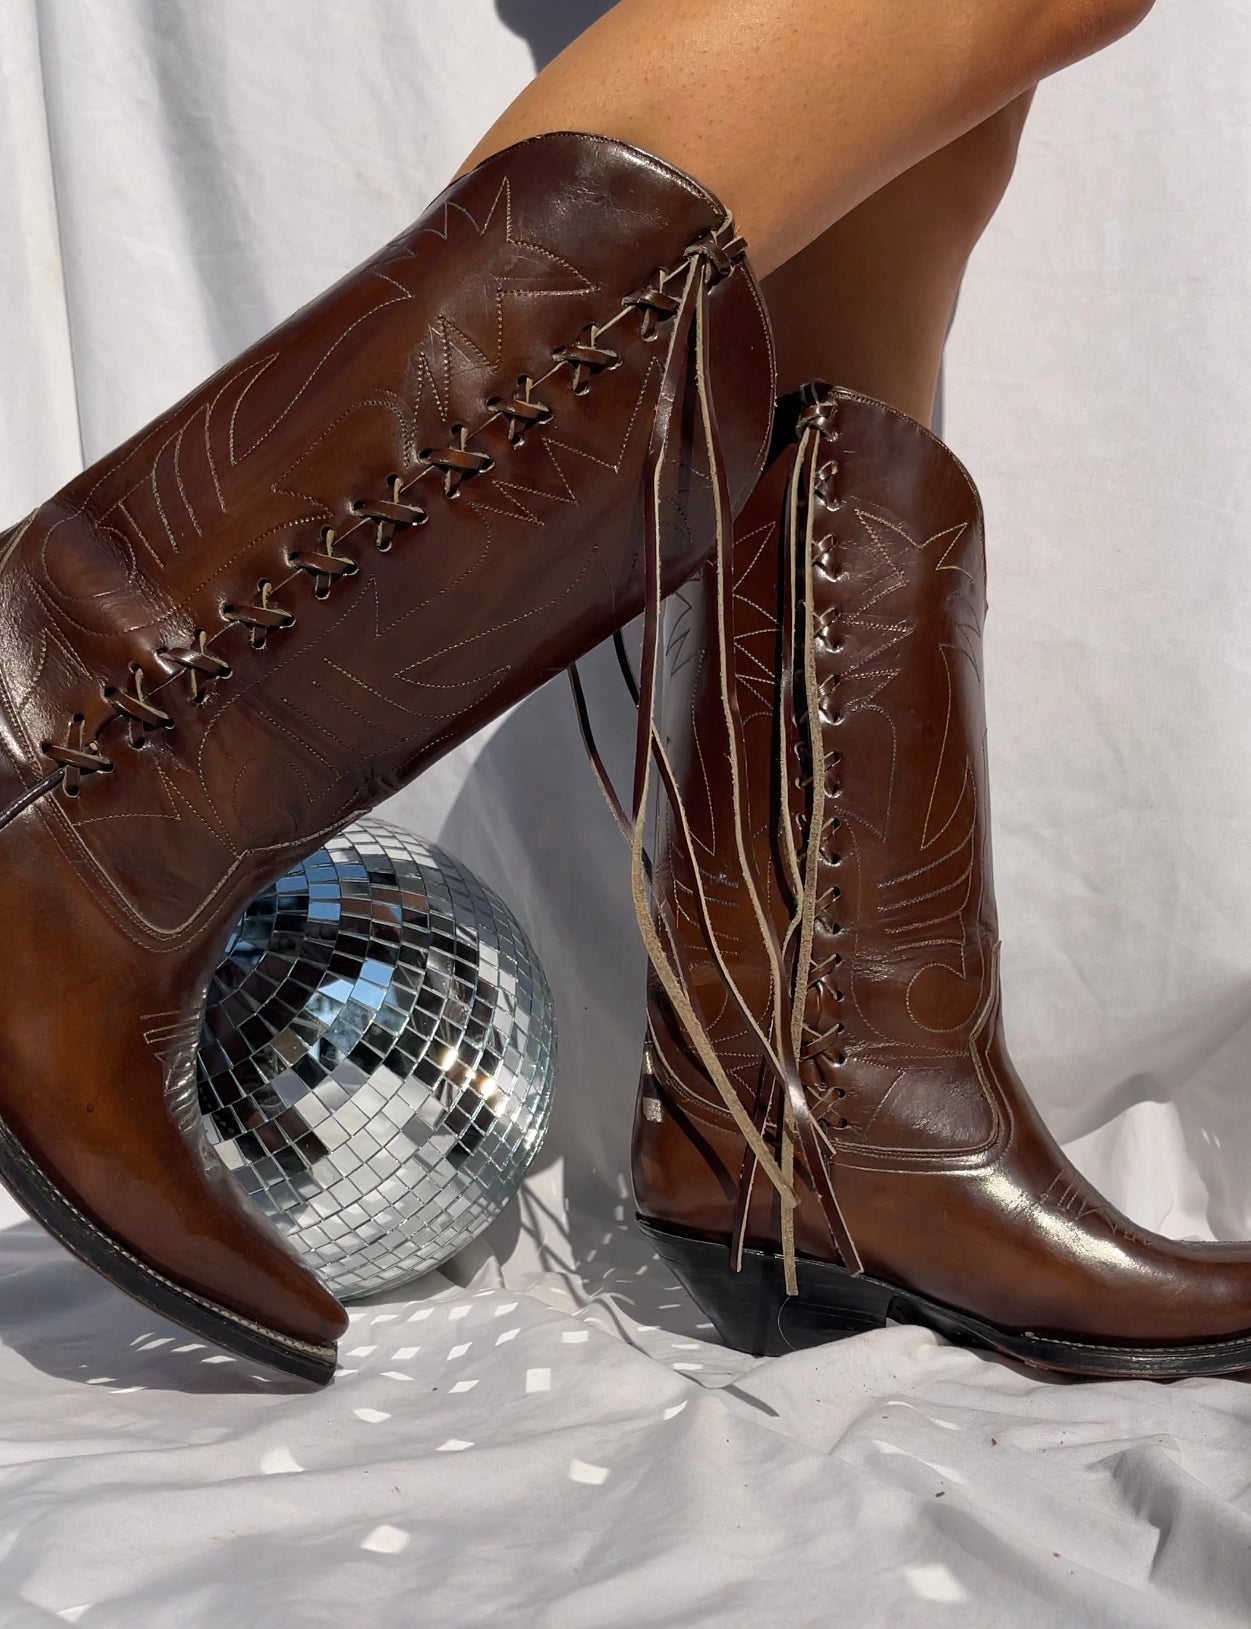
x: 547, y: 26
x: 68, y: 1322
x: 531, y: 821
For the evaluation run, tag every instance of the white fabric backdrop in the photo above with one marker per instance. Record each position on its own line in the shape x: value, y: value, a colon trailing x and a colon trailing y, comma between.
x: 545, y: 1437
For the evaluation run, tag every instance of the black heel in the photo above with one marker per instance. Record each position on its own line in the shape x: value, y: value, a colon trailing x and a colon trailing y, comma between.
x: 751, y: 1310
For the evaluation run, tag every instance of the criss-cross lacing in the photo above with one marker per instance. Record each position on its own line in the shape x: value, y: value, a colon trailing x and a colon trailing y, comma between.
x: 323, y: 565
x: 677, y: 297
x: 200, y: 664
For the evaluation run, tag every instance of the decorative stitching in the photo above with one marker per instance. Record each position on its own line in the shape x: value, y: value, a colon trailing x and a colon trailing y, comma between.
x: 458, y: 463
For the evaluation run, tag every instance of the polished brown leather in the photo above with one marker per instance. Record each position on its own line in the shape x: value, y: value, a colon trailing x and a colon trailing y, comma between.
x: 437, y: 469
x: 948, y: 1181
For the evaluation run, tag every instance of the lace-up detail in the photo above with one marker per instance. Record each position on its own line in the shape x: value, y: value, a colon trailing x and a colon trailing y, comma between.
x: 585, y: 359
x: 522, y: 412
x: 76, y: 756
x: 390, y: 514
x: 783, y: 1103
x: 458, y: 462
x: 676, y: 299
x: 144, y: 715
x: 261, y: 618
x: 829, y: 1042
x: 200, y: 664
x: 323, y: 565
x: 654, y: 307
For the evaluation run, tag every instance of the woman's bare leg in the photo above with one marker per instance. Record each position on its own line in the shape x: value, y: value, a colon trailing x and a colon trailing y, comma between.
x: 795, y: 111
x: 868, y: 304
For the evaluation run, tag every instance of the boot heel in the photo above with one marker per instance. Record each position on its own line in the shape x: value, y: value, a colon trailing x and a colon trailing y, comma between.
x: 751, y: 1310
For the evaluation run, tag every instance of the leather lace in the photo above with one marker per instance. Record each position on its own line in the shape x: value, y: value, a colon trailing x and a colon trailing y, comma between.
x: 677, y: 296
x: 782, y: 1099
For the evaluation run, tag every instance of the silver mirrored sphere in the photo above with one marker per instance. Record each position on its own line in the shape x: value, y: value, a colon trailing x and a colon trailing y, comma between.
x: 378, y: 1056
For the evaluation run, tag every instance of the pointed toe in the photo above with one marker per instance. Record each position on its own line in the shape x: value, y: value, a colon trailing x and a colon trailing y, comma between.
x: 847, y: 862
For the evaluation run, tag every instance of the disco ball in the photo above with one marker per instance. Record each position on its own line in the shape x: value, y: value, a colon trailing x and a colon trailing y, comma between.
x: 378, y: 1055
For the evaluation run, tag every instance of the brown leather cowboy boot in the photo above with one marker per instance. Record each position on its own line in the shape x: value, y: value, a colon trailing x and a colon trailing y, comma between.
x: 824, y: 1017
x: 406, y: 507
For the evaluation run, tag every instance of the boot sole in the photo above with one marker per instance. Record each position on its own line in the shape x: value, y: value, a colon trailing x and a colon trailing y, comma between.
x: 60, y: 1217
x: 752, y: 1312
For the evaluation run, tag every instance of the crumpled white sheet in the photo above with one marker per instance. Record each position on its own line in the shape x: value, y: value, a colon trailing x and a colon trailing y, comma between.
x: 545, y: 1435
x: 528, y: 1455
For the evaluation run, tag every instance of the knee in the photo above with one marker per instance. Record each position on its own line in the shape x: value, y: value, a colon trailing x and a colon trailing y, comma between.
x: 957, y: 189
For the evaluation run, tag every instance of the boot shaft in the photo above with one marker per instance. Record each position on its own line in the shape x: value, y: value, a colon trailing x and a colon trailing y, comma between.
x: 856, y: 613
x: 386, y: 521
x: 906, y: 895
x: 904, y: 930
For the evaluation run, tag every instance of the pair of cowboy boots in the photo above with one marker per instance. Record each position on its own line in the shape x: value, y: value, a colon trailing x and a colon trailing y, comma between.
x: 522, y: 423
